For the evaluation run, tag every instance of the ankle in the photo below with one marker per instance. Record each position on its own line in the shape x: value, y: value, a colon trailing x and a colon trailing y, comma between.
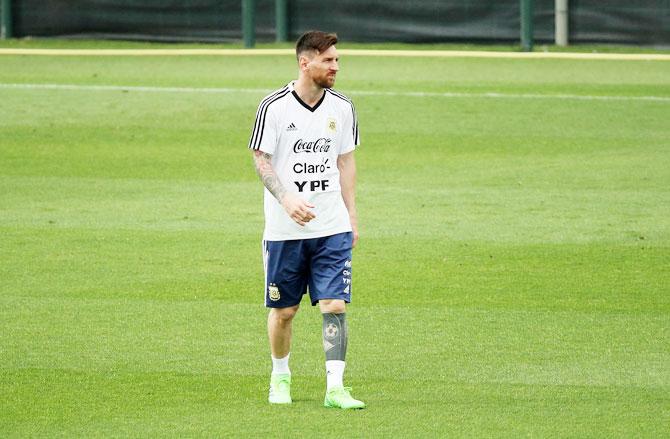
x: 280, y: 365
x: 334, y: 374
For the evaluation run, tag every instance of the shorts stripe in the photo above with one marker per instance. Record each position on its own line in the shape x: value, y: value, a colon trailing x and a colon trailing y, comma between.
x: 266, y: 253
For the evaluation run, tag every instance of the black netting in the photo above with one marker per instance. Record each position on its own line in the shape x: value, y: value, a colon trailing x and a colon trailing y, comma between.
x: 610, y: 21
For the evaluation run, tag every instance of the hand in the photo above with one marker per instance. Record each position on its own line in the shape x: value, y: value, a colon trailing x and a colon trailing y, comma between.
x: 297, y: 208
x: 354, y: 230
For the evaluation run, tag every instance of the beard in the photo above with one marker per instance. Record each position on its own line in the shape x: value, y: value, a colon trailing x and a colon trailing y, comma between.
x: 325, y: 82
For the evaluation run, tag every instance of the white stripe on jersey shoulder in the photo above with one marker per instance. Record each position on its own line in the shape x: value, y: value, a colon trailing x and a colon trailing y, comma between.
x: 259, y: 125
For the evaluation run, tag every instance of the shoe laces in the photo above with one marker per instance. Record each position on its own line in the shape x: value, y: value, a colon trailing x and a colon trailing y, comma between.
x: 283, y: 384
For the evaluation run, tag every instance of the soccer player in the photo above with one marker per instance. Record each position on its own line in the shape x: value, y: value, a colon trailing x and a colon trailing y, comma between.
x: 303, y: 145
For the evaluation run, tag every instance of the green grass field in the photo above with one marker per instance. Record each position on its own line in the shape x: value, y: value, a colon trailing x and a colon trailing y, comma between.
x: 512, y: 278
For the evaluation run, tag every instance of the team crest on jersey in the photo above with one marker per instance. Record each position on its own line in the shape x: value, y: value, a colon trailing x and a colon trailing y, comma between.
x: 273, y: 292
x: 332, y: 125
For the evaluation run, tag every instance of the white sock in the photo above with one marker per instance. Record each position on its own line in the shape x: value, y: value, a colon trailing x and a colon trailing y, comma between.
x: 334, y: 373
x: 280, y: 365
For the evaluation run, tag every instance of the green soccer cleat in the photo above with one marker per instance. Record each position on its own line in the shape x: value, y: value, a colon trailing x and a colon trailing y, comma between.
x: 280, y: 389
x: 340, y: 398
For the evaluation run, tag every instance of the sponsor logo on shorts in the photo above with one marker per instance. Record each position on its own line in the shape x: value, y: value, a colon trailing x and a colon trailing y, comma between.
x: 273, y: 292
x: 346, y: 277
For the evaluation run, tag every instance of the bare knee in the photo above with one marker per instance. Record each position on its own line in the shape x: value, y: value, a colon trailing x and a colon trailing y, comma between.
x: 335, y: 306
x: 283, y: 315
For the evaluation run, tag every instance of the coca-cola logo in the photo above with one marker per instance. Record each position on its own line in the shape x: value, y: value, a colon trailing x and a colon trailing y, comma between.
x: 318, y: 145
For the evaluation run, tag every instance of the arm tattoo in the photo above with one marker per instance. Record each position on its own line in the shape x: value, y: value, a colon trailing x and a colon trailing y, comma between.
x: 263, y: 162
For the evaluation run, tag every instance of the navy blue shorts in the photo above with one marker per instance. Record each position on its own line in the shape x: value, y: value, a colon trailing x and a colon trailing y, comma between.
x: 322, y: 265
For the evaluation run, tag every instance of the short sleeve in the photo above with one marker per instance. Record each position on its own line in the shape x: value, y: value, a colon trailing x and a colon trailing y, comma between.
x: 264, y: 135
x: 350, y: 139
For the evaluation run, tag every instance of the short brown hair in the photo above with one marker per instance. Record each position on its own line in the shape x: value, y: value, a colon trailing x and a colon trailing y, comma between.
x: 314, y: 40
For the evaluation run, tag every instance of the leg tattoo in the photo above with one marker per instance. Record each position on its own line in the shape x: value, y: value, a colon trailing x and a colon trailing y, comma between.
x: 335, y: 336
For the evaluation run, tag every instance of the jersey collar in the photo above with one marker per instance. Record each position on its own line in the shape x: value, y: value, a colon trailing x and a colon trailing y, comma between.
x: 301, y: 102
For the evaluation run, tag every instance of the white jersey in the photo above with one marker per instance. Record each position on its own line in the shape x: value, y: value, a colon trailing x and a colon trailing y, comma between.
x: 304, y: 143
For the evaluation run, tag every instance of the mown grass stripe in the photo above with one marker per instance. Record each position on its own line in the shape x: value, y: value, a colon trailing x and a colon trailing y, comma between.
x: 228, y: 90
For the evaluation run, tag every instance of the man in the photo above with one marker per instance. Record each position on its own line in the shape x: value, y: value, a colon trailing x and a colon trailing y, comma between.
x: 303, y: 142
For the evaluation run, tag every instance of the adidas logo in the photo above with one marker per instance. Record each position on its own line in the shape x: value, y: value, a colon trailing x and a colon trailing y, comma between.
x: 292, y: 127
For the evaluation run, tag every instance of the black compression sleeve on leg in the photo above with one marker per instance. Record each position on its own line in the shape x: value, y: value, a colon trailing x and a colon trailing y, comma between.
x: 335, y: 336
